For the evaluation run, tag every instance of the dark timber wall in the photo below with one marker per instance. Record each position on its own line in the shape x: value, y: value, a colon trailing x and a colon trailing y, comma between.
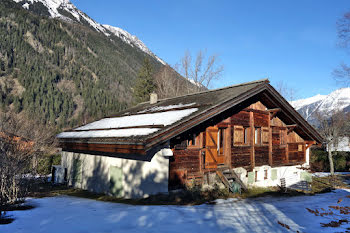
x: 254, y: 136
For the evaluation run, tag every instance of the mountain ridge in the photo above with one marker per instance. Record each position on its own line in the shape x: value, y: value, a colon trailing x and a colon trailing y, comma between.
x: 64, y: 73
x: 325, y: 104
x: 65, y: 10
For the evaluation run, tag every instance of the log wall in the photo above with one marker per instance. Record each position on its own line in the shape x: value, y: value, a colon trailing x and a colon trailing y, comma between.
x: 261, y: 155
x: 274, y: 146
x: 184, y: 165
x: 240, y: 156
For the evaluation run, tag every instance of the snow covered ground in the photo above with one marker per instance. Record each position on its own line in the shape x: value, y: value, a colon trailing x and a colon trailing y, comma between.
x: 71, y: 214
x: 325, y: 174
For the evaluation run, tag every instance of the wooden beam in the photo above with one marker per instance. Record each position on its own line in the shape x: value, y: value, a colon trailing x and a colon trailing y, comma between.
x: 228, y: 145
x: 104, y: 148
x: 270, y: 141
x: 291, y: 128
x: 252, y: 143
x: 285, y: 136
x: 273, y: 112
x: 293, y: 115
x: 309, y: 144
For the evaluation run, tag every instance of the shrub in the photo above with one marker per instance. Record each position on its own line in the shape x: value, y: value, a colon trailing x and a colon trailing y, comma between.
x: 340, y: 161
x: 45, y: 163
x: 319, y: 160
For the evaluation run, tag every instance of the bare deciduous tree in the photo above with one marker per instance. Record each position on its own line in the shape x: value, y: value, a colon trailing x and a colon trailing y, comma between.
x: 342, y: 74
x: 286, y: 91
x: 332, y: 127
x: 22, y: 140
x: 201, y: 71
x: 169, y: 83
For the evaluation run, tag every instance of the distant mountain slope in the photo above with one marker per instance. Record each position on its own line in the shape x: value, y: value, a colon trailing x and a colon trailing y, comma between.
x: 65, y: 10
x: 132, y: 40
x: 62, y: 71
x: 338, y: 99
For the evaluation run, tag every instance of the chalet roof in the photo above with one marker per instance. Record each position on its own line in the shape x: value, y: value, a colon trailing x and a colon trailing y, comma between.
x: 152, y: 124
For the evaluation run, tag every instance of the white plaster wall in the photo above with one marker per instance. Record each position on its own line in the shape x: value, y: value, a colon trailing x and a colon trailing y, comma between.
x: 242, y: 173
x: 292, y: 174
x: 307, y: 157
x: 140, y: 178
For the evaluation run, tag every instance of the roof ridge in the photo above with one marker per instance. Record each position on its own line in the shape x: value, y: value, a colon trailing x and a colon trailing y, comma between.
x: 217, y: 89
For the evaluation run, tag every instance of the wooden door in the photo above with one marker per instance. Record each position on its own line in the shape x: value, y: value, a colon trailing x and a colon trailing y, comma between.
x: 211, y: 151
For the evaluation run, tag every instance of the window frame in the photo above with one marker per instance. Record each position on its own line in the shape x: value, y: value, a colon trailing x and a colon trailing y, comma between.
x: 257, y: 136
x: 196, y: 139
x: 245, y: 130
x: 221, y: 141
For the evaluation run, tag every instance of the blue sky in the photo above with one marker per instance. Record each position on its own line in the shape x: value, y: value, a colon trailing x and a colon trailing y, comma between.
x: 290, y: 41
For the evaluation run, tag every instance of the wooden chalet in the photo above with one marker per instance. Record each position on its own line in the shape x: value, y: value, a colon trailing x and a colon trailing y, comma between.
x: 246, y: 133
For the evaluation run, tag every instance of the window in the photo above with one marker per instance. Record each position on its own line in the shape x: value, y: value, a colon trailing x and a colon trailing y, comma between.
x: 256, y: 176
x: 221, y: 141
x: 300, y: 147
x: 257, y: 136
x: 246, y: 139
x: 238, y: 135
x: 193, y: 141
x: 265, y: 174
x: 265, y: 135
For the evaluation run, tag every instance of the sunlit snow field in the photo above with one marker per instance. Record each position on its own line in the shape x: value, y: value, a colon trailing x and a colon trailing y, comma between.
x: 71, y: 214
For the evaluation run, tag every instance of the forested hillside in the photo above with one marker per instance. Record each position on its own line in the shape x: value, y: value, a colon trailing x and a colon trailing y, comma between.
x: 63, y: 73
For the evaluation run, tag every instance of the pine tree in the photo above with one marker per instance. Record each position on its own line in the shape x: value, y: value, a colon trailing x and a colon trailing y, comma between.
x: 145, y: 83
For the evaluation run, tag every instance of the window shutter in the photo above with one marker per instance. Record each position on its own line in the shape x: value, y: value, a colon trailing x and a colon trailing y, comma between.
x: 238, y: 135
x: 300, y: 147
x: 265, y: 135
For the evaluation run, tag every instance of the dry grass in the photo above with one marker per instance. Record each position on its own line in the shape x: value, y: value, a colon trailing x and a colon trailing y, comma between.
x: 183, y: 197
x: 326, y: 184
x: 193, y: 196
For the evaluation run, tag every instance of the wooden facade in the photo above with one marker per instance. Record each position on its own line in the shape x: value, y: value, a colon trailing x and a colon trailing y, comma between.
x: 247, y: 129
x: 252, y: 137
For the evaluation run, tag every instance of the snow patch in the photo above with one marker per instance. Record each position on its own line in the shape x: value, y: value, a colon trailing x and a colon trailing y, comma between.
x: 72, y: 214
x: 111, y: 124
x: 26, y: 6
x: 161, y: 118
x: 302, y: 102
x: 169, y: 107
x: 338, y: 100
x: 108, y: 133
x: 131, y: 40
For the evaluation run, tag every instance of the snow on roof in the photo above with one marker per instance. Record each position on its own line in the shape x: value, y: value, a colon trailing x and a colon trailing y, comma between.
x: 108, y: 127
x: 169, y: 107
x: 108, y: 133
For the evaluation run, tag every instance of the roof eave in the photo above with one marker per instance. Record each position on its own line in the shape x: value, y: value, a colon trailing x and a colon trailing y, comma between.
x: 311, y: 131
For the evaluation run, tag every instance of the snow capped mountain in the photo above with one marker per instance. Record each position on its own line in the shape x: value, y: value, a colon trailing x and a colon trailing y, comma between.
x: 337, y: 100
x: 57, y: 7
x: 65, y: 10
x: 131, y: 40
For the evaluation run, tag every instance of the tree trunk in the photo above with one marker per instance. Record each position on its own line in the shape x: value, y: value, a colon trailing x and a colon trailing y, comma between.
x: 330, y: 158
x: 331, y: 165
